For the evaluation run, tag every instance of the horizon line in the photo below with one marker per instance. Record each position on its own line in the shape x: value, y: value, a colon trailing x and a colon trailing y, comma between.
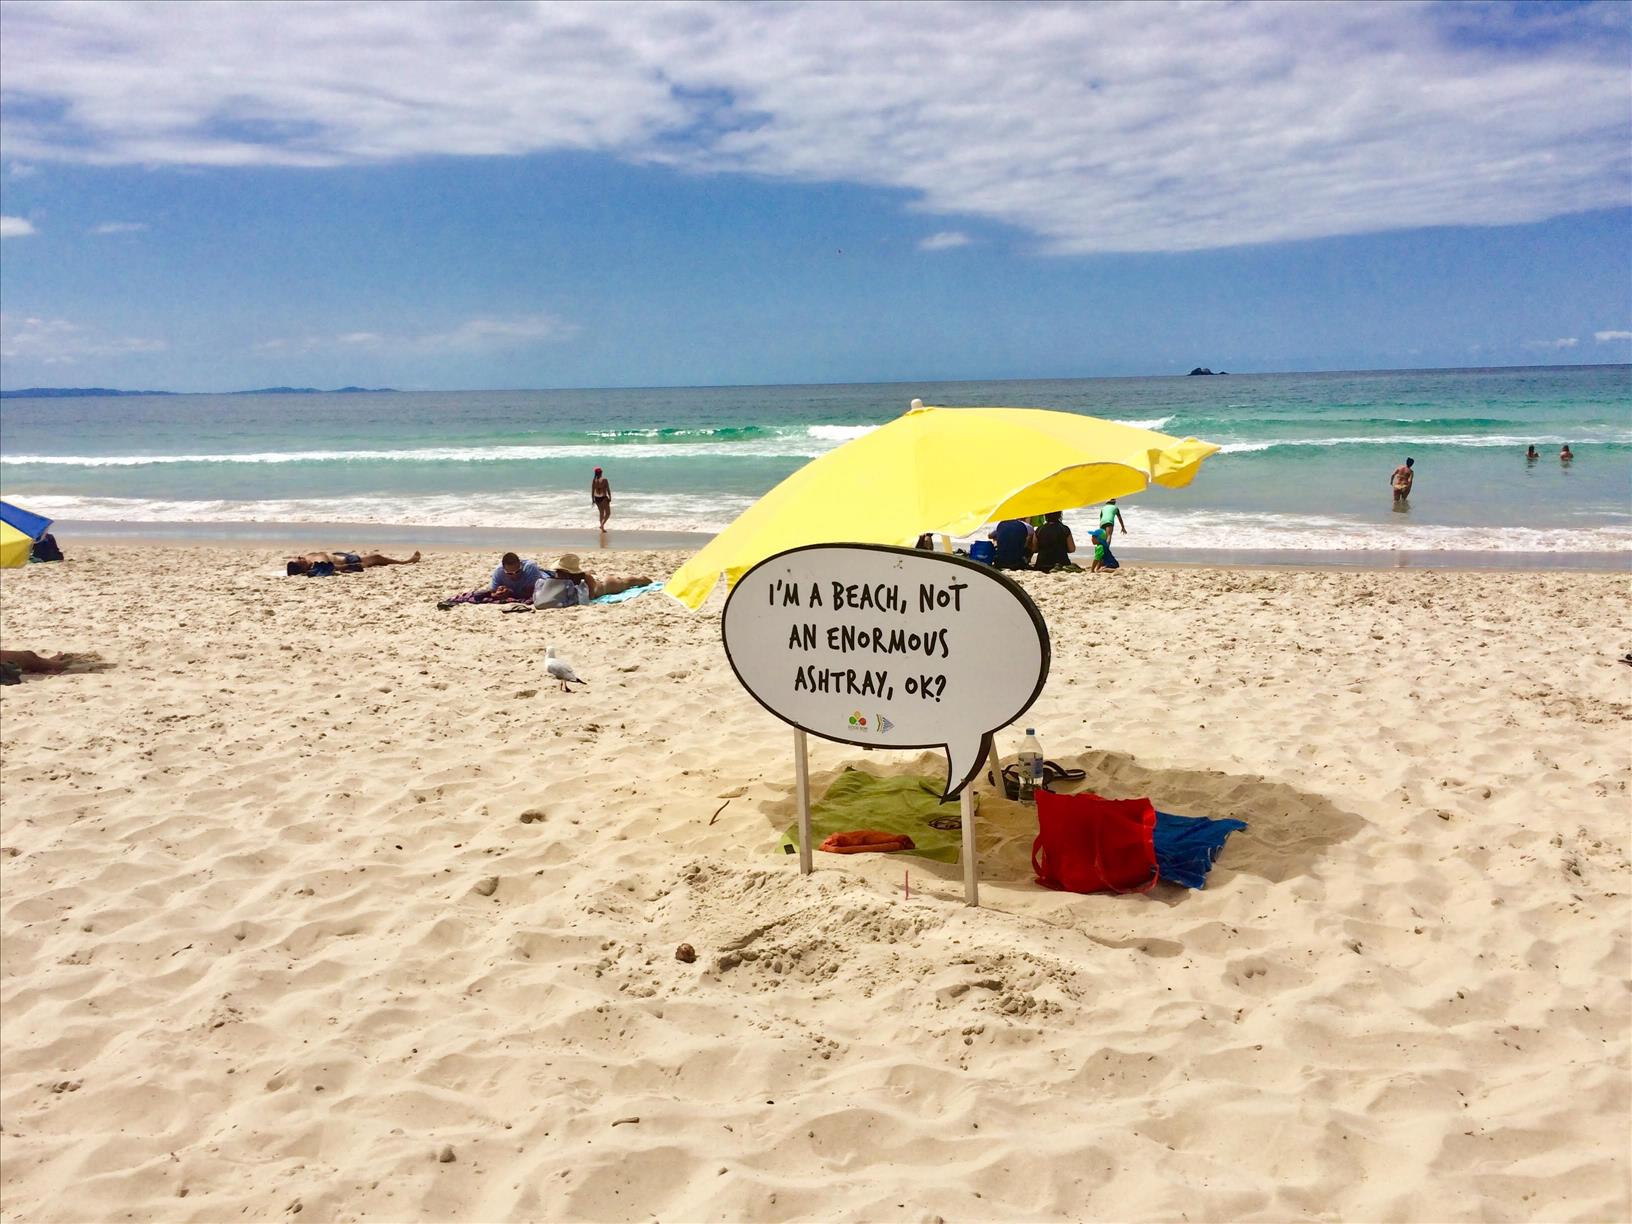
x: 885, y: 382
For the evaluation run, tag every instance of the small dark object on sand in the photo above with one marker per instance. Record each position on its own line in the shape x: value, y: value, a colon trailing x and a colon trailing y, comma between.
x: 685, y: 953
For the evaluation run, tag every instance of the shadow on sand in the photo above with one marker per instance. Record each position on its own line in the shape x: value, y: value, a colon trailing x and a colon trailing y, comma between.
x: 1288, y: 829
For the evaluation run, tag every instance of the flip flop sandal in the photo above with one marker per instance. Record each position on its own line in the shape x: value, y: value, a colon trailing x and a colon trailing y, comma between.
x: 947, y: 822
x: 1052, y: 772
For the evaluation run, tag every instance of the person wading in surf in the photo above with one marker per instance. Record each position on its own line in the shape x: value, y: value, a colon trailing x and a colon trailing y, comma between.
x: 600, y: 493
x: 1401, y: 481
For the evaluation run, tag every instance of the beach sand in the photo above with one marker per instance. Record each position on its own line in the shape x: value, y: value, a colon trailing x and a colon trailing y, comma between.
x: 320, y: 899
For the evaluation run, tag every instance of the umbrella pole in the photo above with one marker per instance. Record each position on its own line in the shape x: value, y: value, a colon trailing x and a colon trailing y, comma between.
x: 966, y: 804
x: 801, y: 771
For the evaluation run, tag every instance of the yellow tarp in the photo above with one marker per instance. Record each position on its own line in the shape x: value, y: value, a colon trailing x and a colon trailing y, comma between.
x: 14, y: 547
x: 944, y: 470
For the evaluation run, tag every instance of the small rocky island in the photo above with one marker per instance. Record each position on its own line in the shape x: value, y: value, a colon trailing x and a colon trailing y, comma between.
x: 1205, y: 370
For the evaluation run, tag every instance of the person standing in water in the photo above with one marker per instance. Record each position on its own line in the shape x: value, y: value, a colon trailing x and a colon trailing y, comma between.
x: 1565, y: 455
x: 600, y: 493
x: 1532, y: 454
x: 1402, y: 480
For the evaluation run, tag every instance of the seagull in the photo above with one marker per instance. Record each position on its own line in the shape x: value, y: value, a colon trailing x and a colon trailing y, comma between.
x: 561, y: 670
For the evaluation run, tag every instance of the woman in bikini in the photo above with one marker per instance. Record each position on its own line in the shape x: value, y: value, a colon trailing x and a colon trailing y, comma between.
x: 600, y: 492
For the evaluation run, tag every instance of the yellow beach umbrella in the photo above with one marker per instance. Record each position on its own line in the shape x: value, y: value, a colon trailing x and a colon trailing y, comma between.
x: 943, y: 470
x: 14, y: 547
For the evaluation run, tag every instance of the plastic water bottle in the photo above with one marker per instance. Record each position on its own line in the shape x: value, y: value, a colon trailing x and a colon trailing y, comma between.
x: 1031, y: 766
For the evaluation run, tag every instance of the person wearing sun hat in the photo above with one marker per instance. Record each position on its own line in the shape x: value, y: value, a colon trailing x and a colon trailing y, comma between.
x: 568, y: 566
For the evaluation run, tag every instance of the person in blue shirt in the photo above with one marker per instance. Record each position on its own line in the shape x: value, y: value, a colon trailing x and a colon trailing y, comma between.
x: 517, y: 577
x: 1015, y: 542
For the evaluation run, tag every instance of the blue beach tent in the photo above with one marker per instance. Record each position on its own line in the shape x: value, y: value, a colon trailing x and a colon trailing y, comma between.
x: 26, y: 521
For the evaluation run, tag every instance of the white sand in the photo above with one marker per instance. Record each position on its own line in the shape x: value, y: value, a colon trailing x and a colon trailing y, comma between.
x: 247, y: 965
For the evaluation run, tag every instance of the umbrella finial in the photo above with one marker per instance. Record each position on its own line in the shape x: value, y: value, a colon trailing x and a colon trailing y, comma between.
x: 916, y: 406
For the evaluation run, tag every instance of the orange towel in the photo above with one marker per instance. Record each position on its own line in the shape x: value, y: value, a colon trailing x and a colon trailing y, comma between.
x: 861, y: 841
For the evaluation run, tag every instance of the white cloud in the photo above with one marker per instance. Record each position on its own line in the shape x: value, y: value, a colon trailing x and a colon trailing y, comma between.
x: 1609, y: 337
x: 1568, y: 342
x: 119, y: 227
x: 59, y: 342
x: 21, y: 170
x: 1102, y: 127
x: 473, y: 335
x: 944, y: 241
x: 499, y: 333
x: 15, y: 227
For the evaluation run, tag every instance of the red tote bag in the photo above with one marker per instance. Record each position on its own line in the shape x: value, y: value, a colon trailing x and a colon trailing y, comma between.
x: 1088, y: 844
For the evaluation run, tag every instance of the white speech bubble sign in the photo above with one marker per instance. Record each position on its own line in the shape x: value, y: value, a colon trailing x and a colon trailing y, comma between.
x: 888, y: 648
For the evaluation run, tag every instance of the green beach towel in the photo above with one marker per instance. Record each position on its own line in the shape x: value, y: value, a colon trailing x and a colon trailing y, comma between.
x: 857, y: 800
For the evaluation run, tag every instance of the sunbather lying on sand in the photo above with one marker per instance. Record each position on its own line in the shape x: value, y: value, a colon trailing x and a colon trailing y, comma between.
x: 565, y: 586
x: 569, y: 567
x: 14, y: 663
x: 321, y: 564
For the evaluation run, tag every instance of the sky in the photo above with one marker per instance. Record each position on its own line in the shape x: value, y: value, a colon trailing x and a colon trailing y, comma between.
x: 493, y: 195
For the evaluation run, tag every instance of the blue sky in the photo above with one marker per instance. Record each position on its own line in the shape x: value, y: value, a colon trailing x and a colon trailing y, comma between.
x: 205, y: 197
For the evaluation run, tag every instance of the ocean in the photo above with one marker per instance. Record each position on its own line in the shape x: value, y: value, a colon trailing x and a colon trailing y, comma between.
x: 1305, y: 463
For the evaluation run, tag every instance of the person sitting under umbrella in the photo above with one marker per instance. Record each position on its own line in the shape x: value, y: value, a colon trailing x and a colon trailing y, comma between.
x: 1014, y: 542
x: 1054, y: 543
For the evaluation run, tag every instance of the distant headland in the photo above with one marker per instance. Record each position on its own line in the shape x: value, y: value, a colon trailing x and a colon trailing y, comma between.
x: 86, y: 392
x: 1205, y: 370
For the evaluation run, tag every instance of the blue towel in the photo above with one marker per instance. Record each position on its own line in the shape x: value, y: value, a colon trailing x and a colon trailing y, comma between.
x: 1187, y: 845
x: 629, y: 594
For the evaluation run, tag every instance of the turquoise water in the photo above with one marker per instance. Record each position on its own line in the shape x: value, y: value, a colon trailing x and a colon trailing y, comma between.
x: 1305, y: 463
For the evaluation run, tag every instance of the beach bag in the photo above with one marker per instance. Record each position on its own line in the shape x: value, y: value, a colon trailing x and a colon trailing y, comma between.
x: 1088, y: 844
x: 558, y: 593
x: 45, y: 549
